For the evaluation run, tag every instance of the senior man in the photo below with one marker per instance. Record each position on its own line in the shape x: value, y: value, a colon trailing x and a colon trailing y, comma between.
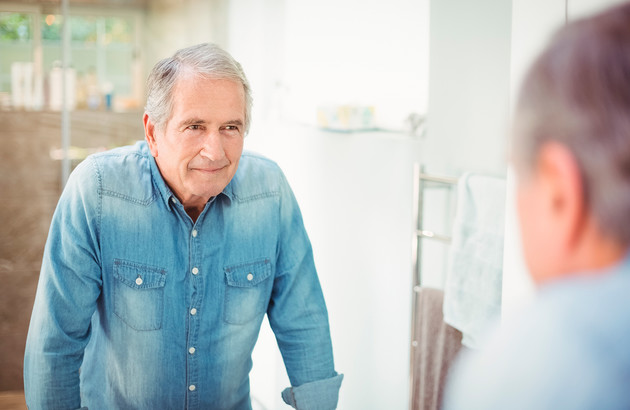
x: 571, y: 150
x: 163, y: 258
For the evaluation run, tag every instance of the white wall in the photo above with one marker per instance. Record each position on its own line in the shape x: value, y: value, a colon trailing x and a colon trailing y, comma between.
x: 357, y: 51
x: 468, y: 87
x: 581, y: 8
x: 300, y: 55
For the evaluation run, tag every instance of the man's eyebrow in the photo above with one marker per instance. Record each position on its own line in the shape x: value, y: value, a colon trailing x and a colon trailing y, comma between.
x: 234, y: 122
x: 191, y: 121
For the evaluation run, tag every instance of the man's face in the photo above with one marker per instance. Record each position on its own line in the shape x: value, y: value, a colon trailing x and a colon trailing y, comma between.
x: 199, y: 148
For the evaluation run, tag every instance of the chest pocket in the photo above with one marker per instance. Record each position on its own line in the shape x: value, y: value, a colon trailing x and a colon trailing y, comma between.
x: 139, y: 294
x: 248, y: 289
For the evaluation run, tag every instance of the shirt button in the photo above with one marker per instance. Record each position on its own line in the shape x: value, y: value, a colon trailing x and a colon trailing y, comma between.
x: 138, y: 281
x: 250, y: 277
x: 174, y: 200
x: 195, y: 270
x: 194, y: 233
x: 193, y: 311
x: 192, y: 350
x: 191, y: 387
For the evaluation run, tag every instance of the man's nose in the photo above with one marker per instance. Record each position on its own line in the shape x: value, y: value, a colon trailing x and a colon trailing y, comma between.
x: 213, y: 146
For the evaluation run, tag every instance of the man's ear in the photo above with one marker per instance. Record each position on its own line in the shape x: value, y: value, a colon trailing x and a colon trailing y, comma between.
x: 564, y: 191
x: 149, y: 134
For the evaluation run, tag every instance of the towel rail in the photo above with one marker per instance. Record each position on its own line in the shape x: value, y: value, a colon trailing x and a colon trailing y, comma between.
x: 430, y: 234
x: 421, y: 180
x: 435, y: 178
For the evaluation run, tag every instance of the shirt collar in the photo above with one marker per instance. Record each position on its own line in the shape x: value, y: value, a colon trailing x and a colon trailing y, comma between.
x: 228, y: 191
x: 159, y: 183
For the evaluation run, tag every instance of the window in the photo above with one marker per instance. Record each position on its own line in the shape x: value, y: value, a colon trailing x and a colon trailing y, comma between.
x: 15, y: 45
x: 102, y: 57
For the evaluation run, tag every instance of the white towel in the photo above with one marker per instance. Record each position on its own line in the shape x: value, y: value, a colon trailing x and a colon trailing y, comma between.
x: 472, y: 293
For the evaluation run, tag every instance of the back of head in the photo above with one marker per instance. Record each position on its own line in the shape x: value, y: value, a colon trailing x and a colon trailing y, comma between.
x: 577, y: 93
x: 207, y: 60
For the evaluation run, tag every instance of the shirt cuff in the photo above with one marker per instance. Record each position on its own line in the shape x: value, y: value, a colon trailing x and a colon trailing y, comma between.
x: 317, y: 395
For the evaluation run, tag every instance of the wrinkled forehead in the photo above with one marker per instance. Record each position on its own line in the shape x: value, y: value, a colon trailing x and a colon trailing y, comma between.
x: 208, y: 98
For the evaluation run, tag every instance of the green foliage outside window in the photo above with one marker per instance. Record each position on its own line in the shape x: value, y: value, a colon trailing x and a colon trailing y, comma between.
x: 15, y: 26
x: 52, y: 31
x: 84, y: 29
x: 118, y: 30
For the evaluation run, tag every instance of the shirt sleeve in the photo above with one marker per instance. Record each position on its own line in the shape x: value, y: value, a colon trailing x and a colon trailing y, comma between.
x: 298, y: 316
x: 69, y: 285
x: 321, y: 394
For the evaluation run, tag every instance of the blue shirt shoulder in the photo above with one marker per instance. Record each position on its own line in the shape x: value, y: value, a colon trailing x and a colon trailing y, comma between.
x: 569, y: 349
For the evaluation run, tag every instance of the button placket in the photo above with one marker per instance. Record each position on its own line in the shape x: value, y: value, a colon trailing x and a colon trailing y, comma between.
x: 196, y: 293
x: 191, y: 352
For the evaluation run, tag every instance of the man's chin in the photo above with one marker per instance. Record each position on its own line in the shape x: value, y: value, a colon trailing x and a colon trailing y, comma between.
x: 209, y: 184
x: 203, y: 191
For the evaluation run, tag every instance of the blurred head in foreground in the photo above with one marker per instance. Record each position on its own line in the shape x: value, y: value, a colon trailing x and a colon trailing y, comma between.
x: 571, y: 148
x: 568, y: 348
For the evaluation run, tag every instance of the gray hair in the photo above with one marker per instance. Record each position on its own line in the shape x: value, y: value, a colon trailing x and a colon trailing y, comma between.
x: 577, y: 93
x: 207, y: 60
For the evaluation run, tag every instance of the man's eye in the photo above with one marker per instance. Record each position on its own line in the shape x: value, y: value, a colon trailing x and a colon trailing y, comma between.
x: 194, y: 127
x: 231, y: 127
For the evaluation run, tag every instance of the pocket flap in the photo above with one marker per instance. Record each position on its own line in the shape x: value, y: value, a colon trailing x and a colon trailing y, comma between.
x: 139, y: 276
x: 249, y: 274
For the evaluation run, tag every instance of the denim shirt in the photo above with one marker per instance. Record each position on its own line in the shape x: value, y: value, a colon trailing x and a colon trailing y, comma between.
x: 139, y: 307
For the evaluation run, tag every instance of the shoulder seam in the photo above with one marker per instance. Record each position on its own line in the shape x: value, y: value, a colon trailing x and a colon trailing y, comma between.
x: 99, y: 189
x: 254, y: 197
x: 114, y: 194
x: 127, y: 198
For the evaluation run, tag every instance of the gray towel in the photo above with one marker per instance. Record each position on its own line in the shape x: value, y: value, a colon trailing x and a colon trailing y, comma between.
x: 438, y: 344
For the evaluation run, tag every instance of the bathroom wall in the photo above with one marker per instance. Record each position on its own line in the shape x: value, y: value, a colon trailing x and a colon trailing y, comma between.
x: 469, y: 78
x: 30, y: 180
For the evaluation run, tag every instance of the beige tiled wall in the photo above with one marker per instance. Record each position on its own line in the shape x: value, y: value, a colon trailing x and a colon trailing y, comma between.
x: 30, y: 183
